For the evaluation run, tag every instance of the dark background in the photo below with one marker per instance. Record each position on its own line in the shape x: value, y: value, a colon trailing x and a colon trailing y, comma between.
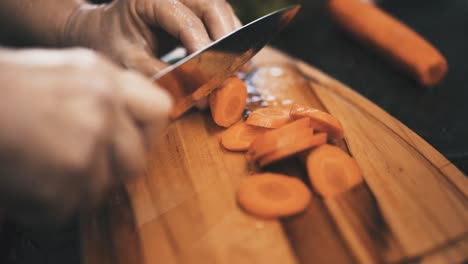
x: 438, y: 115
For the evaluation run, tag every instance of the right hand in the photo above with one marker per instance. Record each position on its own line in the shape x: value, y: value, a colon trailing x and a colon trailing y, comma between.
x: 70, y: 123
x: 128, y: 31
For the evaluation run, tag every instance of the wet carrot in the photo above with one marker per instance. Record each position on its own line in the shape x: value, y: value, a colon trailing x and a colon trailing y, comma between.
x: 319, y: 120
x: 271, y: 195
x: 228, y: 102
x: 332, y: 171
x: 269, y: 140
x: 270, y: 117
x: 240, y: 136
x: 294, y: 147
x: 374, y: 27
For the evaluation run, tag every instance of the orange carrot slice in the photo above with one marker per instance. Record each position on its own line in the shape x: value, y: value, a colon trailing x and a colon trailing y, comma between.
x: 270, y: 117
x: 319, y: 120
x: 267, y: 142
x: 293, y: 148
x: 270, y: 195
x: 228, y: 102
x: 332, y: 171
x: 240, y: 136
x: 374, y: 27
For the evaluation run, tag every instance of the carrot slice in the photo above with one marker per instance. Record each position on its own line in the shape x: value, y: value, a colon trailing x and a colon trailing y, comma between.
x: 228, y: 102
x: 270, y: 117
x: 271, y: 195
x: 295, y: 147
x: 374, y: 27
x: 319, y: 120
x: 332, y: 171
x: 240, y: 136
x: 266, y: 143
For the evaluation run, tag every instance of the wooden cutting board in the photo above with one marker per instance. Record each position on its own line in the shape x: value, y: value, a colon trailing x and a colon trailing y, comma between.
x: 413, y: 206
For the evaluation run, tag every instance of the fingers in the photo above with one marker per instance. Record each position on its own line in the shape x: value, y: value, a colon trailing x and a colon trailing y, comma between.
x: 147, y: 103
x: 99, y: 181
x: 178, y: 20
x: 128, y: 151
x: 144, y: 62
x: 145, y: 100
x: 237, y: 22
x: 202, y: 104
x: 215, y: 14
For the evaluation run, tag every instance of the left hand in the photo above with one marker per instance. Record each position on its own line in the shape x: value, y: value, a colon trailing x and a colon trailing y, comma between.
x: 125, y: 30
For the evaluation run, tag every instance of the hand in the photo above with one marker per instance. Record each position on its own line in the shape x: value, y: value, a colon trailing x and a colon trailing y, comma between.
x: 71, y: 123
x: 124, y: 30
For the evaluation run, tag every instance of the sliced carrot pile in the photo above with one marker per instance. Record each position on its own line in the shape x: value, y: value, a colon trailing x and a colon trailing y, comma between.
x: 228, y: 102
x: 276, y: 138
x: 332, y: 171
x: 269, y: 117
x: 271, y: 195
x: 240, y: 136
x: 272, y: 134
x: 320, y: 120
x: 374, y: 27
x: 294, y: 147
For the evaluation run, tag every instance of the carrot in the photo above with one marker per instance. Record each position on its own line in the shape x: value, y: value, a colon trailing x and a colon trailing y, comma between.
x: 269, y: 140
x: 240, y: 136
x: 228, y: 102
x: 271, y: 195
x: 332, y: 171
x: 270, y: 117
x: 372, y: 26
x: 294, y: 147
x: 320, y: 120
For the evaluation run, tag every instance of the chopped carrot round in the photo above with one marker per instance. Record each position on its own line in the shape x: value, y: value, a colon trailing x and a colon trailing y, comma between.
x: 271, y: 195
x: 293, y: 148
x: 228, y: 102
x: 269, y: 117
x: 319, y: 120
x: 332, y: 171
x: 268, y: 141
x: 240, y: 136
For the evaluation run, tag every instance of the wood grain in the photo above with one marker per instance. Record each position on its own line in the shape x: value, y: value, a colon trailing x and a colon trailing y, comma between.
x: 423, y: 206
x: 456, y: 252
x: 278, y: 81
x: 412, y: 207
x: 186, y: 208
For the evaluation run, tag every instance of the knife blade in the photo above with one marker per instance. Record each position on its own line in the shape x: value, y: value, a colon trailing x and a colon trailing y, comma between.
x: 194, y: 77
x: 113, y: 228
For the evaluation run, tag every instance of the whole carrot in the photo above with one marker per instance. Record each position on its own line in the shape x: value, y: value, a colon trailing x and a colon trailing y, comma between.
x: 371, y: 25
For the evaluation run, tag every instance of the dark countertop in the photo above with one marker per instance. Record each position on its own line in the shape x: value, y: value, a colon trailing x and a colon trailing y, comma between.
x: 438, y: 114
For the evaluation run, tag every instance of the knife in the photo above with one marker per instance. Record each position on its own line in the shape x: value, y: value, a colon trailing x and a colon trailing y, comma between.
x: 195, y: 76
x: 108, y: 234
